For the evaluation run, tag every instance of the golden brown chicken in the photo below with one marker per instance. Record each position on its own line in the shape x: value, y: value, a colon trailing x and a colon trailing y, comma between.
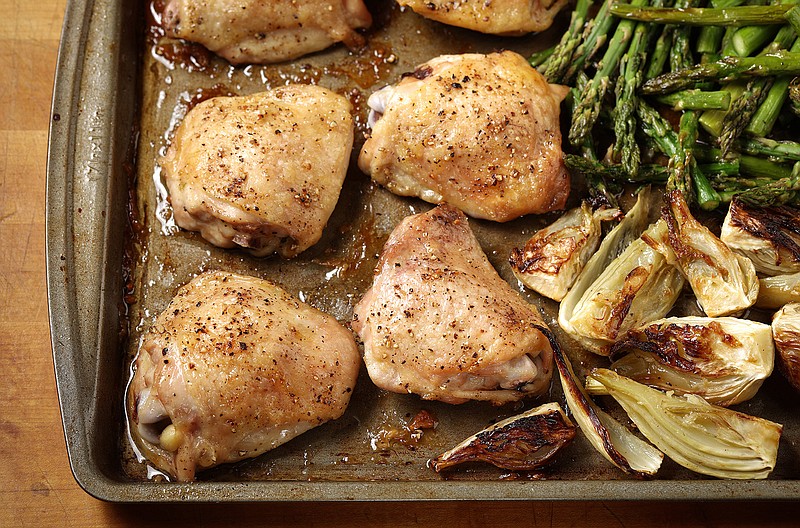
x: 262, y: 171
x: 480, y: 132
x: 441, y: 323
x: 498, y: 17
x: 265, y: 31
x: 232, y: 368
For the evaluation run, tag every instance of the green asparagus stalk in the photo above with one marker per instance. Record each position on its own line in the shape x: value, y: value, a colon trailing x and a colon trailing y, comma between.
x: 630, y: 78
x: 659, y: 55
x: 779, y: 151
x: 539, y: 58
x: 728, y: 16
x: 747, y: 40
x: 559, y: 62
x: 594, y: 36
x: 696, y: 100
x: 588, y: 108
x: 754, y: 166
x: 767, y: 113
x: 680, y: 55
x: 681, y: 164
x: 741, y: 111
x: 726, y: 69
x: 785, y: 191
x: 657, y: 129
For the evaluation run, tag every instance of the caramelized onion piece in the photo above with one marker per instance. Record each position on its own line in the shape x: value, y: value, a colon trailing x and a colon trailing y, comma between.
x: 523, y: 442
x: 699, y: 436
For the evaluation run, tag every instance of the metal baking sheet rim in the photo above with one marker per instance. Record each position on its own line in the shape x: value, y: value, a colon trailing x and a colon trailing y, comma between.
x: 92, y: 127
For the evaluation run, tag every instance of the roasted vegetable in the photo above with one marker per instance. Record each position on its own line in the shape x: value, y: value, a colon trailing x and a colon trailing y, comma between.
x: 628, y: 230
x: 769, y: 236
x: 774, y: 292
x: 725, y: 360
x: 786, y: 332
x: 697, y: 435
x: 723, y: 282
x: 553, y: 258
x: 638, y: 287
x: 610, y: 438
x: 523, y: 442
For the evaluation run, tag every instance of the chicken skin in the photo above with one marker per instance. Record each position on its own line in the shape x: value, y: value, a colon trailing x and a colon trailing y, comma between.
x: 266, y: 31
x: 262, y: 171
x: 497, y: 17
x: 234, y: 367
x: 441, y: 323
x: 480, y: 132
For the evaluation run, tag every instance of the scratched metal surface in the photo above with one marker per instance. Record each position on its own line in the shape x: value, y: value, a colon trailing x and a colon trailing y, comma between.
x: 96, y: 334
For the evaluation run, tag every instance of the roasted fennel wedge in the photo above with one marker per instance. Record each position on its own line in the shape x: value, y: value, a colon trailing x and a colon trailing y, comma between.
x: 610, y: 438
x: 768, y: 236
x: 724, y: 282
x: 552, y: 259
x: 523, y: 442
x: 637, y: 287
x: 704, y: 438
x: 725, y: 360
x: 786, y: 332
x: 628, y: 230
x: 774, y: 292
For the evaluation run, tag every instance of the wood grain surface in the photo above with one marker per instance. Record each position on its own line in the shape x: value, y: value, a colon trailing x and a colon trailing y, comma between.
x: 36, y: 486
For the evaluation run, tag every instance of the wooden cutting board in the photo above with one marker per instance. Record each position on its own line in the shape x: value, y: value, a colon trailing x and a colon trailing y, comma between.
x: 36, y: 486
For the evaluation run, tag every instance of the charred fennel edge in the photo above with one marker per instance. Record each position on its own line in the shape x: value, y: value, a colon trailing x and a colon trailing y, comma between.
x: 573, y: 388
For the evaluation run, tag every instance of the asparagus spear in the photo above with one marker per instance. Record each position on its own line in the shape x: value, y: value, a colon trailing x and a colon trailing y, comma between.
x: 588, y: 108
x: 541, y: 57
x: 628, y: 82
x: 660, y: 53
x: 556, y: 66
x: 709, y: 16
x: 767, y: 113
x: 785, y: 191
x: 741, y: 110
x: 681, y: 164
x: 657, y: 129
x: 696, y: 100
x: 744, y: 107
x: 680, y: 55
x: 725, y: 69
x: 594, y: 36
x: 776, y: 150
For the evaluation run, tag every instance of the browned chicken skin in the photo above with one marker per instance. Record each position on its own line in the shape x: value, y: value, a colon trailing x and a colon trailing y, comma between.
x: 480, y: 132
x: 498, y: 17
x: 262, y: 171
x: 265, y: 31
x: 439, y: 322
x: 234, y: 367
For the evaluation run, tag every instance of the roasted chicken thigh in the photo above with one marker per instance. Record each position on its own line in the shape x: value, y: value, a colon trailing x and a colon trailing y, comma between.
x: 265, y: 31
x: 498, y: 17
x: 441, y: 323
x: 480, y: 132
x: 262, y: 171
x: 234, y: 367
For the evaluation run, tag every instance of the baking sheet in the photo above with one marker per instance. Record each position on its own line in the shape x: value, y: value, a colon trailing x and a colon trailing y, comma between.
x: 115, y: 259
